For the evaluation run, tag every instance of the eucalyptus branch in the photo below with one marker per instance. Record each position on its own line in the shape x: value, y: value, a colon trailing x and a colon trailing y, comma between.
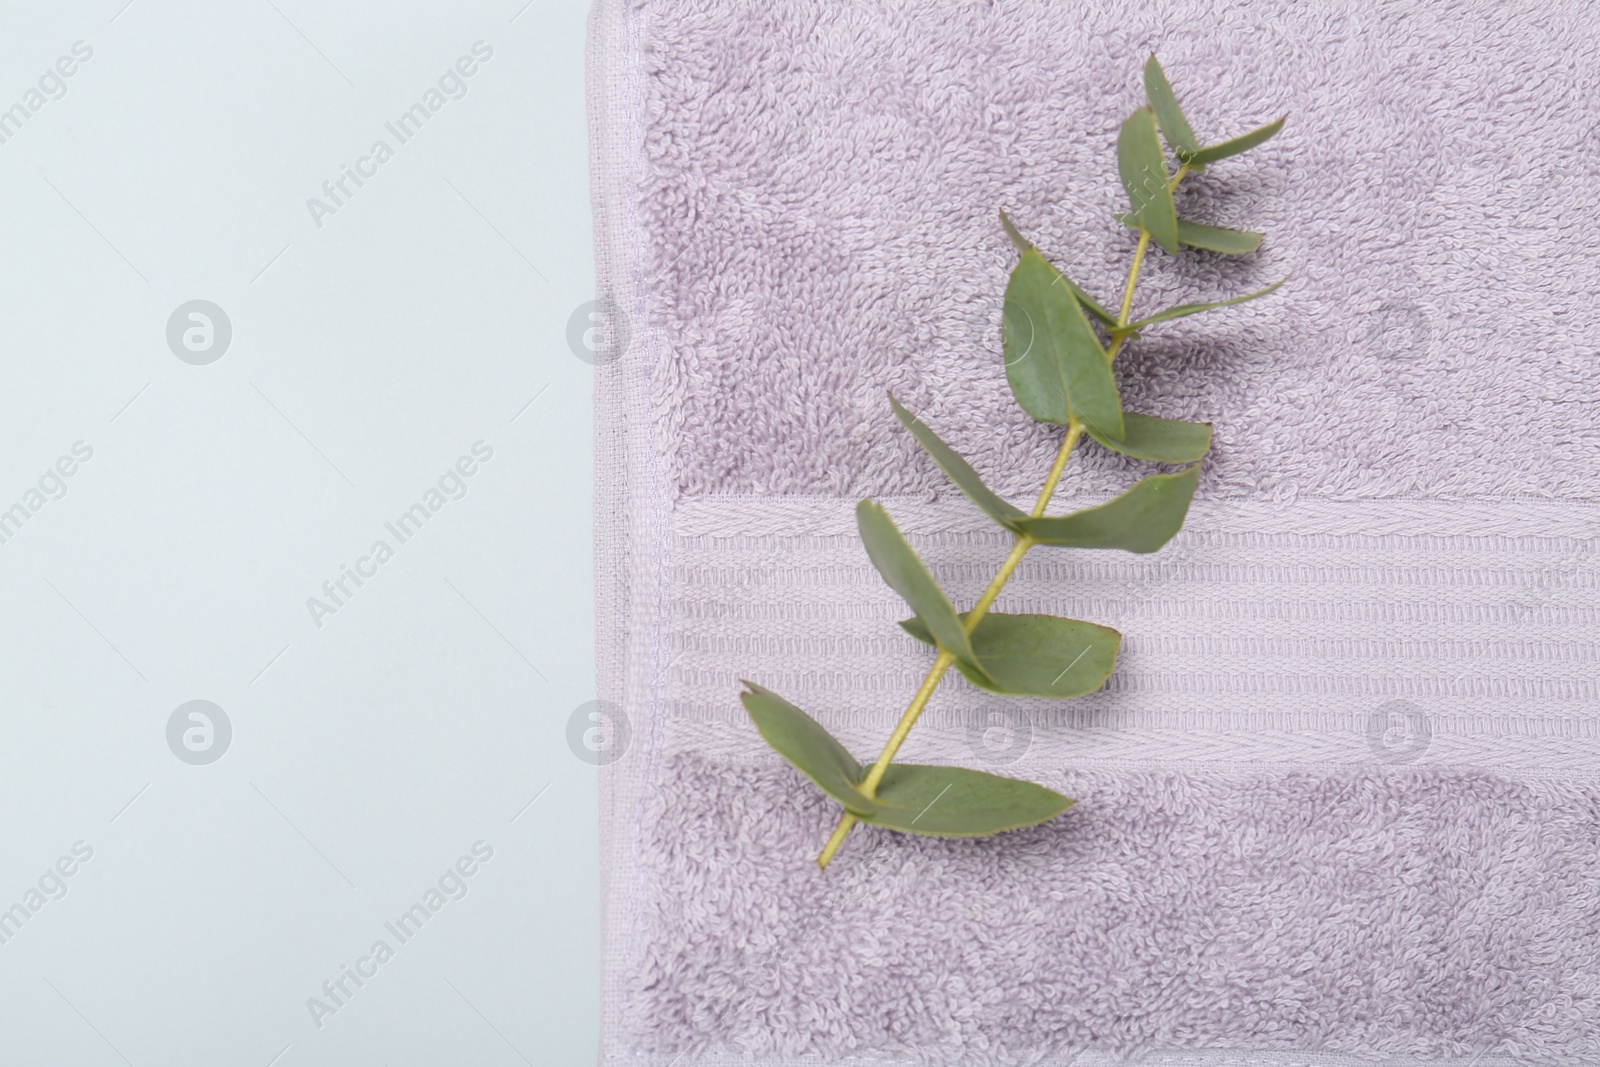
x: 1060, y: 372
x: 1019, y: 549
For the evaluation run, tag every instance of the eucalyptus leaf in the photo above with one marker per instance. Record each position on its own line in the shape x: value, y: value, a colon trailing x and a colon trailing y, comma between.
x: 1181, y: 310
x: 802, y: 741
x: 1159, y: 440
x: 1243, y: 143
x: 1140, y: 520
x: 1180, y: 138
x: 1218, y: 238
x: 895, y: 559
x: 1037, y: 655
x: 958, y: 469
x: 1143, y: 167
x: 957, y: 802
x: 1021, y: 243
x: 1090, y: 304
x: 1055, y: 364
x: 1210, y: 238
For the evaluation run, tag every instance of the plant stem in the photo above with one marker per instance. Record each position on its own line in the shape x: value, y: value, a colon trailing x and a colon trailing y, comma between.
x: 1133, y: 278
x: 943, y: 662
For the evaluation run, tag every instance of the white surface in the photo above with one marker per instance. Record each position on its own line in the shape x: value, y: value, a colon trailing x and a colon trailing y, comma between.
x: 368, y: 354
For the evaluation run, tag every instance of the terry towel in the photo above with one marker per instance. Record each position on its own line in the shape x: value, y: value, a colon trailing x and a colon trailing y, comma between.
x: 1339, y: 801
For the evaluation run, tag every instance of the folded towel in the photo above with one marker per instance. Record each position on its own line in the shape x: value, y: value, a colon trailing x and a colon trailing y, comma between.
x: 1340, y: 797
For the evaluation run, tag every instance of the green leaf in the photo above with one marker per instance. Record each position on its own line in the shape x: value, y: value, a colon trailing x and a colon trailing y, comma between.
x: 1242, y: 143
x: 1143, y: 167
x: 1181, y: 310
x: 898, y: 563
x: 802, y: 741
x: 957, y: 802
x: 1159, y: 440
x: 1218, y: 238
x: 1180, y: 138
x: 1037, y: 655
x: 958, y: 469
x: 1140, y: 520
x: 1022, y: 243
x: 1090, y: 304
x: 1054, y: 362
x: 1210, y: 238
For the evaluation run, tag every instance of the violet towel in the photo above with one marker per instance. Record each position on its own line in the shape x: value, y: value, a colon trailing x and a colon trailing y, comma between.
x: 1339, y: 801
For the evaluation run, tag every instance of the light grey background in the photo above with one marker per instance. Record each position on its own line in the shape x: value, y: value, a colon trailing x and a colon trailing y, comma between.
x: 369, y: 753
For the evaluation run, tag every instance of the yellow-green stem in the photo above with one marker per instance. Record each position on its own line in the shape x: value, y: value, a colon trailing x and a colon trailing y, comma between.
x: 1133, y: 279
x: 944, y: 660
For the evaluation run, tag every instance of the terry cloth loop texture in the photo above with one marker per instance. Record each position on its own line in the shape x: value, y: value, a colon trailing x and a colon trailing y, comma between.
x: 1340, y: 802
